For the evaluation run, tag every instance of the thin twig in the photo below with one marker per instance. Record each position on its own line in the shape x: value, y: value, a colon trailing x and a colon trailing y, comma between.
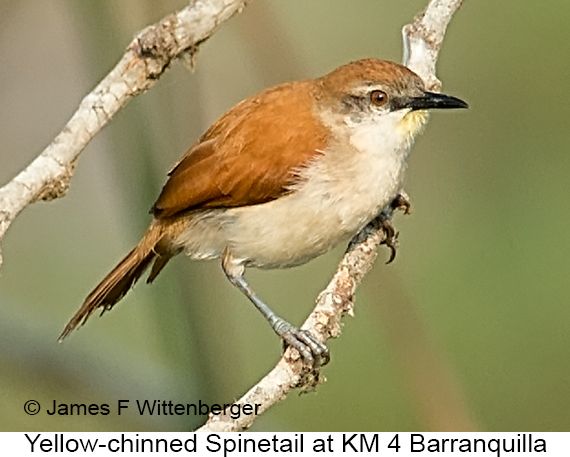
x: 147, y: 57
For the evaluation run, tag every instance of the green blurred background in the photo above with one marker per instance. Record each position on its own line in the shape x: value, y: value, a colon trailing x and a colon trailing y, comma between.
x: 469, y: 329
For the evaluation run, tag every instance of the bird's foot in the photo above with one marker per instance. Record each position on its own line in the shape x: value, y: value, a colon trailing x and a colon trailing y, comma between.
x: 314, y: 353
x: 400, y: 202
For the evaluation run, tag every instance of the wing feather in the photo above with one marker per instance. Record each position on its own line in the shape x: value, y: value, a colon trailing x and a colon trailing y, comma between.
x: 249, y: 156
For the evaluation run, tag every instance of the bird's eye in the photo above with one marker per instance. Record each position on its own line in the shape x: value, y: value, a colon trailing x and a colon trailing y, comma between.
x: 378, y: 97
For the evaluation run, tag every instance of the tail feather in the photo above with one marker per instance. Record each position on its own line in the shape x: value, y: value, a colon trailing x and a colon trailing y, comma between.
x: 119, y: 281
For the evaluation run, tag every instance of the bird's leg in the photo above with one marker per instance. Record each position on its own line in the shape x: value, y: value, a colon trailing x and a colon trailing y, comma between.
x: 313, y: 352
x: 384, y: 220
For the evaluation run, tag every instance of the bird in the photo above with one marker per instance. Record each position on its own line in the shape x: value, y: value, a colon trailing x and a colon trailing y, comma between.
x: 281, y: 178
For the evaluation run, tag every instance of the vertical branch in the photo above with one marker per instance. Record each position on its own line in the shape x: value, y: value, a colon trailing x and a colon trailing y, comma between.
x: 423, y: 39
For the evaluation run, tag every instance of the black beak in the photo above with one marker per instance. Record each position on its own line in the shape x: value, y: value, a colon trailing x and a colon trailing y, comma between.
x: 431, y: 100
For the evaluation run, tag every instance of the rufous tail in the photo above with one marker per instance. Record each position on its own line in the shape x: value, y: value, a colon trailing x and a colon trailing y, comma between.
x: 119, y: 281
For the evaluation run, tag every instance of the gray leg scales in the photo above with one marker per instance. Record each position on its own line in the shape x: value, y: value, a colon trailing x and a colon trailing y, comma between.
x: 313, y: 352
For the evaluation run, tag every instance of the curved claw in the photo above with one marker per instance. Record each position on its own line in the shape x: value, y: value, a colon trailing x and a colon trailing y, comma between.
x: 391, y: 240
x: 392, y: 253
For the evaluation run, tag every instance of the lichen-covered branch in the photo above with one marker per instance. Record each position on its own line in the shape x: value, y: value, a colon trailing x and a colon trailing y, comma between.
x: 422, y: 41
x: 146, y: 58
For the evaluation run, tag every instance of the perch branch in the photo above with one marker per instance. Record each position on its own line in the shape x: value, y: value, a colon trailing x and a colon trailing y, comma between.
x: 145, y: 60
x: 422, y: 41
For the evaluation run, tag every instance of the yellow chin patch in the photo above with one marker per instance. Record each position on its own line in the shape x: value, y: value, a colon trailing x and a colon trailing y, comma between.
x: 412, y: 124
